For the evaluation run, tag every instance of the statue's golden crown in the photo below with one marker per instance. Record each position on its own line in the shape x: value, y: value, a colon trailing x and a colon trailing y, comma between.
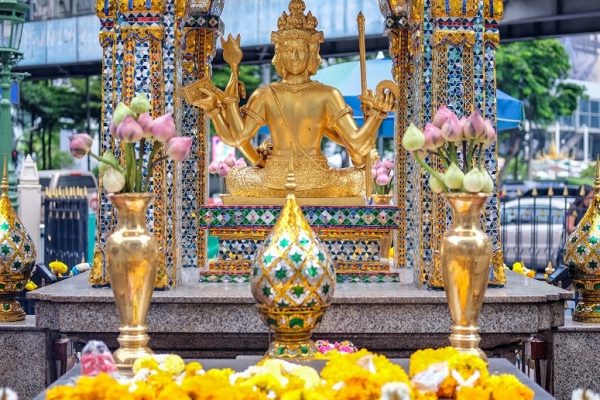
x: 296, y: 24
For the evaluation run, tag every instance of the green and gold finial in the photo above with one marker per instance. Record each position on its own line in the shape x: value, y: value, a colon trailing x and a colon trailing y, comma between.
x: 597, y: 180
x: 4, y: 184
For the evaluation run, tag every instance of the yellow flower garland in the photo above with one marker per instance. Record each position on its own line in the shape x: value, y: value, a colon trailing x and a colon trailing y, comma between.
x: 346, y: 376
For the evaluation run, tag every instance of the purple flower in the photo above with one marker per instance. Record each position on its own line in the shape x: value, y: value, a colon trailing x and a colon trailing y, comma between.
x: 382, y: 180
x: 442, y: 115
x: 475, y: 126
x: 146, y: 122
x: 433, y: 137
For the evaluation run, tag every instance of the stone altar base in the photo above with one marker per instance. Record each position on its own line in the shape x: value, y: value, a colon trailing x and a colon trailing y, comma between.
x: 203, y: 320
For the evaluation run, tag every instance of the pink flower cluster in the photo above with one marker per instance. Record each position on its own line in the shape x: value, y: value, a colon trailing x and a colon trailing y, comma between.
x: 325, y: 346
x: 446, y: 127
x: 222, y: 168
x: 383, y: 172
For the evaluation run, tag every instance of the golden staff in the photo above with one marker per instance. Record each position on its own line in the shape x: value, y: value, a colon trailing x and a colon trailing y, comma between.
x: 363, y: 88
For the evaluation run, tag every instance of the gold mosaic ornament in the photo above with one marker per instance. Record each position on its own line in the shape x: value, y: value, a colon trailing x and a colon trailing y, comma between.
x: 17, y: 256
x: 582, y: 256
x: 293, y: 279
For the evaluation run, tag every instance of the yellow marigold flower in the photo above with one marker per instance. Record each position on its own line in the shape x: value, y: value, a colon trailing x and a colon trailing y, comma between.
x: 58, y: 267
x: 530, y: 273
x: 173, y: 364
x: 508, y: 387
x: 518, y: 267
x: 420, y: 360
x: 473, y: 393
x: 148, y: 362
x: 193, y: 368
x: 30, y: 285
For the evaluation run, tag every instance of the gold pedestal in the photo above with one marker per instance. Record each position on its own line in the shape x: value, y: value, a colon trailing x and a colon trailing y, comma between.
x: 10, y: 309
x: 588, y: 308
x: 133, y: 342
x: 230, y: 200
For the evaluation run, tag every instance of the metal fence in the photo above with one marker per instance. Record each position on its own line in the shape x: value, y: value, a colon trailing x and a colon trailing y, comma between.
x: 535, y: 224
x: 66, y: 220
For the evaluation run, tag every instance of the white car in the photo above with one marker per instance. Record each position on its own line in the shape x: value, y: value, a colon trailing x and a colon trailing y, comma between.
x: 534, y: 230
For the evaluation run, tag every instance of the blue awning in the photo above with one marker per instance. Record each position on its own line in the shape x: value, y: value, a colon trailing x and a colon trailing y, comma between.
x: 509, y: 110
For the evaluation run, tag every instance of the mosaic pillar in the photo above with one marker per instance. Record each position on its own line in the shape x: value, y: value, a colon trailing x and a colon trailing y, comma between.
x: 201, y: 27
x: 138, y: 38
x: 441, y: 58
x: 402, y: 26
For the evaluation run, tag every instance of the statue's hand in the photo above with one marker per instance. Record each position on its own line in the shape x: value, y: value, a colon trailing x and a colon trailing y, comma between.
x: 208, y: 101
x: 232, y: 53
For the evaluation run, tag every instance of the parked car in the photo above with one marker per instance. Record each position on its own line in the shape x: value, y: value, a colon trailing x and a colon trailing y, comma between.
x: 533, y: 230
x: 54, y: 179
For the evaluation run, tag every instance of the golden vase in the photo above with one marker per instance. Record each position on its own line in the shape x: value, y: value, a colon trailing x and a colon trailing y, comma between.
x: 582, y: 256
x: 17, y: 256
x: 132, y: 254
x: 465, y: 254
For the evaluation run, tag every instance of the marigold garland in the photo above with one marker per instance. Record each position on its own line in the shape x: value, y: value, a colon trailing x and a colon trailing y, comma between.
x: 346, y: 376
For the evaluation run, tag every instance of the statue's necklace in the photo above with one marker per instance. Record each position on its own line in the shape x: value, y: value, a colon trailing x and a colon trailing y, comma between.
x: 295, y: 88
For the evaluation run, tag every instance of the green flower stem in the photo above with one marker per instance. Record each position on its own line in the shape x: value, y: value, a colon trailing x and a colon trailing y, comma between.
x: 140, y: 160
x: 130, y: 166
x: 444, y: 156
x: 464, y: 154
x: 452, y: 153
x: 152, y: 162
x: 480, y: 158
x: 470, y: 154
x: 433, y: 172
x: 113, y: 164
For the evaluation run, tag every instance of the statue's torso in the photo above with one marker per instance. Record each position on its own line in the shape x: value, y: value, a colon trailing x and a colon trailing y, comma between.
x: 306, y: 109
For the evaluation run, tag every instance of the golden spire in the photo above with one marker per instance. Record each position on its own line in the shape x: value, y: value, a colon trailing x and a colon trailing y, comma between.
x: 296, y: 24
x: 4, y: 184
x: 597, y: 180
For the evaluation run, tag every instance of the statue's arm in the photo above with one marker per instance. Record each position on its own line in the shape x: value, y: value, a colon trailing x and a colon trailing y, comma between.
x: 358, y: 141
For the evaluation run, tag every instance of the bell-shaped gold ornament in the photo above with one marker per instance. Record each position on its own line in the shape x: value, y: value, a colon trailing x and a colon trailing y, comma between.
x: 17, y: 256
x: 293, y: 278
x: 582, y: 256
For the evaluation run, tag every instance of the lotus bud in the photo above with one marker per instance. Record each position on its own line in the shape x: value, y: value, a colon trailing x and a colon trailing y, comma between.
x: 373, y: 171
x: 240, y: 163
x: 436, y: 185
x: 382, y: 171
x: 163, y: 128
x: 224, y: 169
x: 433, y: 137
x: 383, y: 180
x: 80, y: 145
x: 213, y: 167
x: 488, y: 184
x: 474, y: 181
x: 230, y: 161
x: 113, y: 180
x: 389, y: 164
x: 413, y: 138
x: 121, y: 112
x: 442, y: 115
x: 490, y: 132
x: 377, y: 164
x: 129, y: 130
x: 146, y: 121
x: 178, y: 148
x: 450, y: 130
x: 104, y: 166
x: 140, y: 104
x: 475, y: 127
x: 453, y: 178
x: 460, y: 128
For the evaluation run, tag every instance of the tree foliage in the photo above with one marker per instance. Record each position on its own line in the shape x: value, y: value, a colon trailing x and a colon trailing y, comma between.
x: 50, y: 106
x: 534, y: 71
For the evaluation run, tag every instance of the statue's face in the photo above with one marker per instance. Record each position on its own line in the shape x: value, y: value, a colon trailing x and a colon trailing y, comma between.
x: 295, y: 55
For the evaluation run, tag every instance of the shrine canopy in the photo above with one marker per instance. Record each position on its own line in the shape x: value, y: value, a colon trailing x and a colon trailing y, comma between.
x: 346, y: 78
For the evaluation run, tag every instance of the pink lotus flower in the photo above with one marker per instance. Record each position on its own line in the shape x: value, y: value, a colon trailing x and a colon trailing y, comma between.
x: 490, y: 132
x: 178, y: 148
x: 230, y: 161
x: 240, y: 163
x: 163, y: 128
x: 383, y: 179
x: 382, y: 171
x: 80, y: 144
x: 146, y: 121
x: 450, y: 129
x: 129, y: 130
x: 224, y: 169
x: 373, y: 171
x: 475, y: 126
x: 442, y: 115
x: 389, y: 164
x: 377, y: 164
x: 433, y: 137
x: 213, y: 167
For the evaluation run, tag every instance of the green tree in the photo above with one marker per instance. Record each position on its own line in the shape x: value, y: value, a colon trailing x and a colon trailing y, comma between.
x: 249, y: 74
x: 534, y: 71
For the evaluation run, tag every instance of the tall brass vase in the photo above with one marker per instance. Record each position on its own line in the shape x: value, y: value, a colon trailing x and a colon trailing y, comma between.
x: 131, y: 253
x: 466, y: 252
